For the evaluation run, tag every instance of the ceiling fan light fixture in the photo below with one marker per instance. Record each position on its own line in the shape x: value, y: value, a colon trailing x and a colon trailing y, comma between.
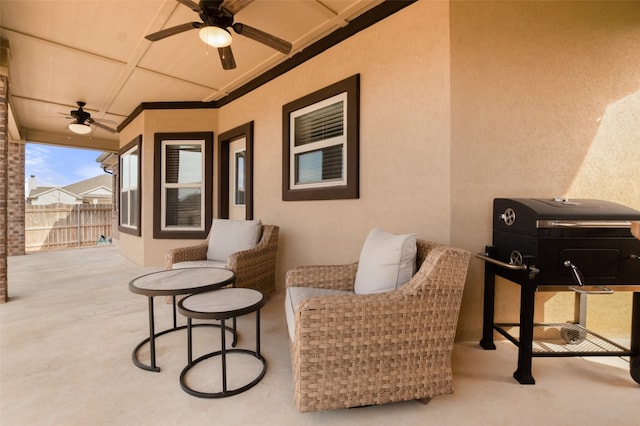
x: 79, y: 128
x: 215, y: 36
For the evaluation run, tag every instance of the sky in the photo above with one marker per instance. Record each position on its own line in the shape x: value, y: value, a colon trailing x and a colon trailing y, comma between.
x: 57, y: 166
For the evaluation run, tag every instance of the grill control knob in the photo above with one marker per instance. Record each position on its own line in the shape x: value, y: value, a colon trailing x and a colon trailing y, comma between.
x: 509, y: 216
x: 515, y: 258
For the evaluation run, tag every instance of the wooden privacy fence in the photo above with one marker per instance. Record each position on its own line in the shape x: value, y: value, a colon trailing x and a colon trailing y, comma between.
x: 64, y: 226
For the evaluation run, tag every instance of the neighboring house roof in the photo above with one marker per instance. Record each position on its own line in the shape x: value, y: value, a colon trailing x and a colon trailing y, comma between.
x: 95, y: 187
x: 92, y: 185
x: 44, y: 191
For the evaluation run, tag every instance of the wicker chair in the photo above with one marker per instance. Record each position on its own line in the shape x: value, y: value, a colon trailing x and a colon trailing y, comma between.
x: 353, y: 350
x: 254, y: 268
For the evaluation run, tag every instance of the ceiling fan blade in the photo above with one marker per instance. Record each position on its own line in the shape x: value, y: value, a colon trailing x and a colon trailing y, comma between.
x: 226, y: 57
x: 235, y: 6
x: 191, y: 5
x: 262, y: 37
x: 173, y: 30
x: 102, y: 126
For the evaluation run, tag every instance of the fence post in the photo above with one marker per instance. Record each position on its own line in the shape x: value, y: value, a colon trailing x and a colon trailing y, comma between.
x: 79, y: 236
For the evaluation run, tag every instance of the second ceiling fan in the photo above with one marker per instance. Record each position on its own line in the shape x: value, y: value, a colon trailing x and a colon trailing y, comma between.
x: 217, y: 16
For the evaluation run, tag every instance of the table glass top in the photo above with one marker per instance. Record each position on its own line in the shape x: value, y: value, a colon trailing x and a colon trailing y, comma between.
x: 180, y: 280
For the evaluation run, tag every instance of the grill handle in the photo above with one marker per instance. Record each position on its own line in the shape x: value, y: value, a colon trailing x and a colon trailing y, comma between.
x: 577, y: 275
x: 513, y: 267
x: 579, y: 279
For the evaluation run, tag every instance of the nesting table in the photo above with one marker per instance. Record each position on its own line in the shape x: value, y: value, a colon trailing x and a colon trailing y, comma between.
x: 222, y: 305
x: 173, y: 283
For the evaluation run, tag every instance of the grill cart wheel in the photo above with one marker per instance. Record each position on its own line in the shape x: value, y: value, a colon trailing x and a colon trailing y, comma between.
x: 635, y: 368
x: 573, y: 335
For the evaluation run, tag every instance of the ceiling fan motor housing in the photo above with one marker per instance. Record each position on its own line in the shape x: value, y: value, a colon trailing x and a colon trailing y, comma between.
x: 214, y: 15
x: 81, y: 115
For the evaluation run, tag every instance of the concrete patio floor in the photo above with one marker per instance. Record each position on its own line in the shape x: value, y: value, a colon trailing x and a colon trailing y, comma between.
x: 67, y: 333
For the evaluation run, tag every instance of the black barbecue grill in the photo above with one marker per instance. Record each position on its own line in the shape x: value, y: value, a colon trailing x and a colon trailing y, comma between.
x: 561, y: 244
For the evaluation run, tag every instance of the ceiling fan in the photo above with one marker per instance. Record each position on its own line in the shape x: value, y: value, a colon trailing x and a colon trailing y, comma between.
x: 82, y: 121
x: 217, y: 16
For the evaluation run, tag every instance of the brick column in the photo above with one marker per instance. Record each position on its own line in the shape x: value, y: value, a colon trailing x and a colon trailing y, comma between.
x: 4, y: 151
x: 15, y: 199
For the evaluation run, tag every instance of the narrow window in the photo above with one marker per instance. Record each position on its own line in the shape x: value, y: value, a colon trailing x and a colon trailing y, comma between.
x: 239, y: 186
x: 129, y: 170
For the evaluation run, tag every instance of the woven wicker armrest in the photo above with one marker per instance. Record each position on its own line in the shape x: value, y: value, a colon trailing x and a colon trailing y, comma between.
x: 183, y: 254
x: 256, y: 267
x: 260, y: 259
x: 334, y: 277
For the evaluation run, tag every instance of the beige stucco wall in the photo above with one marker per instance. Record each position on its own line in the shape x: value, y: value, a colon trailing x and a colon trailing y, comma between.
x: 460, y: 103
x: 404, y: 140
x: 146, y: 250
x: 545, y: 102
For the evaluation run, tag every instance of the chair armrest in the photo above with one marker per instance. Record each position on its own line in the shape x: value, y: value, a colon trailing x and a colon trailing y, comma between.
x: 182, y: 254
x: 256, y: 267
x: 261, y: 256
x: 334, y: 277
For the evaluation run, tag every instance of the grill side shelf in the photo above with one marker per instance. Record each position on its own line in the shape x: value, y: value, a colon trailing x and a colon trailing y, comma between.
x: 564, y: 339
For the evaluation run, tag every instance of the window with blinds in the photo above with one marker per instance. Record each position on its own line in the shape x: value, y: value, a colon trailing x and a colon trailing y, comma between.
x: 318, y: 144
x: 182, y: 191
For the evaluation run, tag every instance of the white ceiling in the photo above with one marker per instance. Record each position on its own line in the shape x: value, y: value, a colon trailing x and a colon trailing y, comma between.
x: 63, y: 51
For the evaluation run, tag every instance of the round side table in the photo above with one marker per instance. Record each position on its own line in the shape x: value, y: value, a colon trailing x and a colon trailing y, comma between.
x: 222, y: 304
x: 175, y: 282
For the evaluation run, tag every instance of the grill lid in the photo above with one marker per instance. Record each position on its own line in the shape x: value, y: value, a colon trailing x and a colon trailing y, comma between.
x: 525, y: 215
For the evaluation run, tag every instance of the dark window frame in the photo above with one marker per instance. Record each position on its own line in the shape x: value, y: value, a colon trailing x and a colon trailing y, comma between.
x: 207, y: 175
x: 224, y: 140
x: 131, y: 230
x: 350, y: 86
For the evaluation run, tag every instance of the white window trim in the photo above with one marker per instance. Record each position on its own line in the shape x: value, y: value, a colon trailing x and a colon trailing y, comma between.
x: 235, y: 176
x: 314, y: 146
x: 128, y: 188
x: 165, y: 185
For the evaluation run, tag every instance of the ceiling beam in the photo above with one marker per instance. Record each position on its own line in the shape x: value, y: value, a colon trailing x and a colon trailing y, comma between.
x: 73, y: 141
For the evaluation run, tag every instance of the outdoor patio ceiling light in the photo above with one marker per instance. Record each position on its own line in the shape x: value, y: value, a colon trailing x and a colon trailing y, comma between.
x: 215, y: 36
x: 79, y: 128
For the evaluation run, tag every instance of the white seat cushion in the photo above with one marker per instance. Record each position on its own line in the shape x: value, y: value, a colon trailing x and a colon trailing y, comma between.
x: 230, y: 236
x: 295, y: 295
x: 386, y: 262
x: 199, y: 264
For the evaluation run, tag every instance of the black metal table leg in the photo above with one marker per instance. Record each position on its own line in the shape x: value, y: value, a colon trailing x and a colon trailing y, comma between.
x: 258, y: 332
x: 189, y: 342
x: 175, y: 315
x: 152, y: 343
x: 525, y: 346
x: 223, y: 354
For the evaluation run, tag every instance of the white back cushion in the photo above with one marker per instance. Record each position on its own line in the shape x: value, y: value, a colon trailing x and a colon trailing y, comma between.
x: 231, y: 236
x: 386, y: 262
